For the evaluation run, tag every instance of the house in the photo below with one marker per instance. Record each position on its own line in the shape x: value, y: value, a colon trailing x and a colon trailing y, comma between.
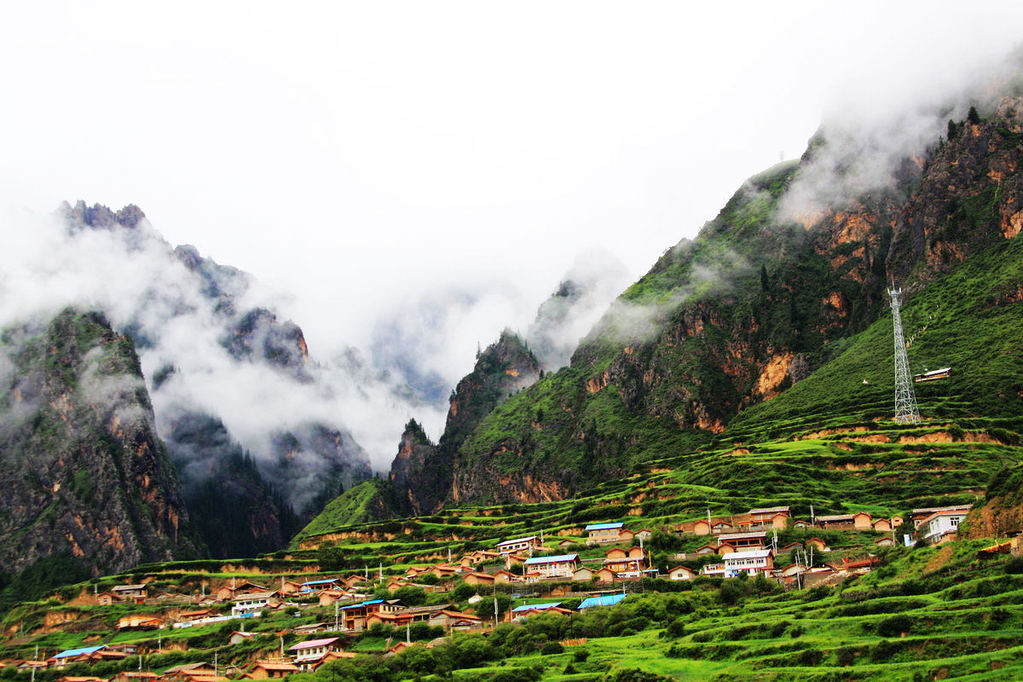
x: 791, y: 547
x: 138, y: 622
x: 883, y: 525
x: 353, y: 616
x: 328, y: 597
x: 135, y: 594
x: 478, y: 579
x: 265, y: 670
x: 681, y: 573
x: 600, y: 533
x: 627, y: 563
x: 750, y: 540
x: 582, y: 574
x: 455, y: 620
x: 605, y: 600
x: 325, y: 584
x: 801, y: 524
x: 314, y: 648
x: 774, y: 517
x: 395, y: 620
x: 701, y: 527
x: 77, y: 678
x: 559, y: 566
x: 237, y: 637
x: 289, y: 587
x: 725, y: 548
x: 107, y: 598
x: 940, y: 526
x: 90, y: 654
x: 886, y: 541
x: 519, y: 545
x: 504, y: 577
x: 190, y: 672
x: 566, y: 543
x: 644, y: 535
x: 750, y: 561
x: 606, y: 575
x: 253, y: 602
x: 855, y: 521
x: 227, y: 591
x: 719, y: 527
x: 706, y: 549
x: 522, y: 612
x: 917, y: 516
x: 625, y: 535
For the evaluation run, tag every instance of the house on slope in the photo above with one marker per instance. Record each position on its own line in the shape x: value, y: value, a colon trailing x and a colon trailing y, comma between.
x: 553, y: 567
x: 517, y: 545
x: 601, y: 533
x: 750, y: 562
x: 940, y: 526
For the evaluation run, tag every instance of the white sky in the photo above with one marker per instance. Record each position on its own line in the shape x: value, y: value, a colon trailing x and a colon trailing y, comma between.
x: 357, y: 154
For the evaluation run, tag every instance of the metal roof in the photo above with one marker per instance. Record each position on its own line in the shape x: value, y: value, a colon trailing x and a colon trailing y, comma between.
x: 312, y: 643
x: 320, y: 582
x: 538, y: 607
x: 551, y: 559
x: 603, y: 526
x: 606, y: 600
x: 78, y: 652
x: 509, y: 542
x: 750, y: 554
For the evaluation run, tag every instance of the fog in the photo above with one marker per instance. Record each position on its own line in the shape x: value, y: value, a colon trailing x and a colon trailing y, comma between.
x: 404, y: 180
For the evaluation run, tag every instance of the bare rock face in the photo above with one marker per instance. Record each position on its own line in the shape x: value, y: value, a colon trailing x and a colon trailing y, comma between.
x: 417, y: 474
x: 82, y: 470
x: 754, y: 304
x: 422, y: 473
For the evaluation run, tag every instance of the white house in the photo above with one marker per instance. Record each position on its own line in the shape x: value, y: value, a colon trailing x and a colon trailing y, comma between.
x: 252, y: 603
x: 939, y: 525
x: 519, y: 545
x: 560, y: 566
x: 751, y: 562
x: 681, y: 573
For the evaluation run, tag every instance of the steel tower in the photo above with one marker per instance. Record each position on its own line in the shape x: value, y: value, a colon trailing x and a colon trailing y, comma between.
x: 906, y: 411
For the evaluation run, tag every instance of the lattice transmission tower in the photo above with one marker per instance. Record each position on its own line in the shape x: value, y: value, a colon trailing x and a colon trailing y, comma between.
x: 906, y: 411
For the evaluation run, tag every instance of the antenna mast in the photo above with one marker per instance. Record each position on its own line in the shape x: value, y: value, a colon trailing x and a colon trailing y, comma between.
x: 906, y: 411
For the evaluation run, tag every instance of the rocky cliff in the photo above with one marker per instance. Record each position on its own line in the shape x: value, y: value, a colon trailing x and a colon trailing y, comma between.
x: 82, y: 471
x: 756, y: 302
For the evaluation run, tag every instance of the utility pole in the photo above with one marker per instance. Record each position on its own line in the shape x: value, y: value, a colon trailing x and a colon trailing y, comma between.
x: 906, y: 410
x: 335, y: 616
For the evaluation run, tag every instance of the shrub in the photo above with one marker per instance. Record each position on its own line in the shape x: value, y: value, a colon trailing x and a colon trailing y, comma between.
x: 551, y: 648
x: 895, y: 626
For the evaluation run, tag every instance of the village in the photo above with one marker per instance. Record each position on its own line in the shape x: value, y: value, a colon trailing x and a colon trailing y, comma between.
x: 598, y: 566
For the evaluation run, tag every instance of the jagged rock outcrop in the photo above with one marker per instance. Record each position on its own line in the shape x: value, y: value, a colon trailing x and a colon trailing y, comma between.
x: 416, y: 472
x: 82, y: 470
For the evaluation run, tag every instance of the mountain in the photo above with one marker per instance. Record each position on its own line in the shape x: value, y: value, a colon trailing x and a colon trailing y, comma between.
x: 83, y: 473
x: 420, y: 480
x: 241, y: 407
x: 763, y: 298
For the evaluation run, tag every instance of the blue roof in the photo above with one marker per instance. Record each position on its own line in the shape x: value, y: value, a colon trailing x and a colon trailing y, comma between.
x: 365, y: 603
x: 78, y: 652
x: 319, y: 582
x: 606, y: 600
x: 538, y: 607
x: 603, y: 526
x: 551, y: 559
